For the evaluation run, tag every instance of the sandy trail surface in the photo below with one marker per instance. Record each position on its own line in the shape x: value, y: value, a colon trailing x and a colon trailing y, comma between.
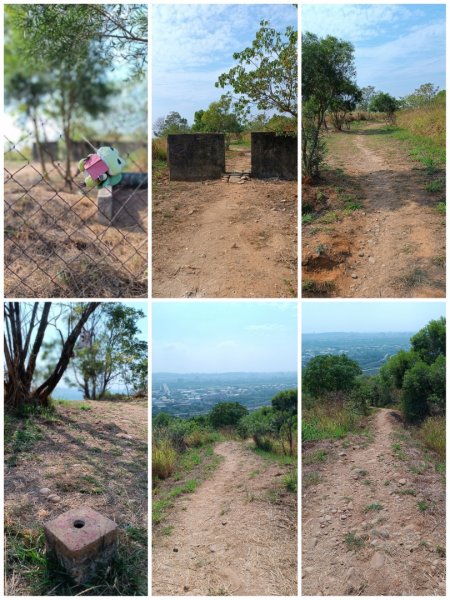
x: 236, y: 535
x: 395, y: 245
x: 221, y: 239
x: 372, y: 491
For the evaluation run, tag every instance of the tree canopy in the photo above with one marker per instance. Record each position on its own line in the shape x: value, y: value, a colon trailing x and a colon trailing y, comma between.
x: 330, y: 373
x: 328, y: 83
x: 266, y: 72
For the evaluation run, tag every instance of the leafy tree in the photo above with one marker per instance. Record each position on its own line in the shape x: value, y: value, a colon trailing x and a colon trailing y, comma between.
x: 226, y: 414
x: 219, y: 118
x: 438, y: 384
x: 114, y: 353
x: 198, y: 124
x: 285, y: 405
x: 266, y: 73
x: 399, y: 364
x: 173, y: 123
x: 416, y: 389
x: 330, y: 373
x: 366, y: 96
x: 76, y: 80
x: 429, y: 342
x: 328, y: 82
x: 26, y: 325
x: 384, y: 103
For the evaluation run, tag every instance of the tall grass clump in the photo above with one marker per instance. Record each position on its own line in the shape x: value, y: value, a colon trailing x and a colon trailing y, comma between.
x: 159, y: 149
x: 328, y: 421
x: 164, y: 459
x: 432, y: 433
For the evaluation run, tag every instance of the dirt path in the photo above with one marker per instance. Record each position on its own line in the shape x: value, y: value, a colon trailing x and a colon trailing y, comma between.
x: 220, y: 239
x: 398, y: 553
x: 395, y: 245
x: 234, y: 536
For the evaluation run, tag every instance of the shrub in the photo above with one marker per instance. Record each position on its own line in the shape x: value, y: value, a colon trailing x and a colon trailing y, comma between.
x: 416, y: 389
x: 164, y: 459
x: 225, y: 414
x: 330, y: 373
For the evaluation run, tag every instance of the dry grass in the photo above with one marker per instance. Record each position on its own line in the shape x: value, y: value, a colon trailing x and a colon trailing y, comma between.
x: 82, y: 456
x: 159, y: 149
x: 56, y: 247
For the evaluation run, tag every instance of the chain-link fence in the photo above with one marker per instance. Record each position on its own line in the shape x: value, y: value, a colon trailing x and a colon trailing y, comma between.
x: 63, y: 239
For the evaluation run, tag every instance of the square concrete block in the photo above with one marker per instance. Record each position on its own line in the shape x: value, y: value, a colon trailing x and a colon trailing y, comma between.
x: 83, y: 540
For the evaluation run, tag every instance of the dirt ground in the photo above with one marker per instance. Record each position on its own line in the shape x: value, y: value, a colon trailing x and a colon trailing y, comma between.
x: 56, y: 247
x: 394, y: 244
x: 220, y: 239
x: 236, y: 535
x: 96, y: 456
x: 373, y: 492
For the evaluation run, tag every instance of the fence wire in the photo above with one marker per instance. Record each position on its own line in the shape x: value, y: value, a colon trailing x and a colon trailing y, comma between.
x: 60, y: 241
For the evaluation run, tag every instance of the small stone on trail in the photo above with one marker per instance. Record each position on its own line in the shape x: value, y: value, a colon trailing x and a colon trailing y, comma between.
x: 371, y: 260
x: 361, y: 254
x: 354, y: 276
x: 54, y: 498
x: 312, y: 543
x: 224, y: 522
x: 402, y: 482
x: 124, y: 436
x: 309, y: 569
x: 342, y: 453
x: 377, y: 560
x: 45, y: 491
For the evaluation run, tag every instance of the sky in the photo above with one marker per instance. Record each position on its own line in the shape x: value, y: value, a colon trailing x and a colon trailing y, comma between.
x: 223, y: 337
x: 369, y: 317
x: 194, y: 44
x: 398, y: 47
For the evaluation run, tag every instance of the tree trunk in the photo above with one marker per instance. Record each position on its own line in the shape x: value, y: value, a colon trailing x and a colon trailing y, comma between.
x: 39, y: 145
x: 44, y: 390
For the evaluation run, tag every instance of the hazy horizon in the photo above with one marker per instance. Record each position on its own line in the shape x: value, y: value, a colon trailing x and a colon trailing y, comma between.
x: 384, y: 316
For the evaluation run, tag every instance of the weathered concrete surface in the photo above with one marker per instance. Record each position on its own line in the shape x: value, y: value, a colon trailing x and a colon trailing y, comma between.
x: 194, y: 157
x: 120, y: 205
x: 274, y: 156
x: 83, y: 541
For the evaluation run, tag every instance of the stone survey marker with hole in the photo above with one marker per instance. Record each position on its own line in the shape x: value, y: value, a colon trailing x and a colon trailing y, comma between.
x: 83, y: 540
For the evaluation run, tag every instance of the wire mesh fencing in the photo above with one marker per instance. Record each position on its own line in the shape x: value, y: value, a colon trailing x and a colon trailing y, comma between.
x: 64, y: 239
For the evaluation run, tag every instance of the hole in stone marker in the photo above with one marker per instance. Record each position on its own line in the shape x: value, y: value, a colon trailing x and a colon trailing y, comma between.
x: 78, y: 523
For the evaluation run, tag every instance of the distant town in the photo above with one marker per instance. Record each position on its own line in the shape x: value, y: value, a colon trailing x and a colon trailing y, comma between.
x: 186, y: 395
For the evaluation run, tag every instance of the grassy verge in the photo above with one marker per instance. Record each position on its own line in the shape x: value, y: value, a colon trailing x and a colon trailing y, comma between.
x: 192, y: 467
x: 68, y: 450
x: 328, y: 421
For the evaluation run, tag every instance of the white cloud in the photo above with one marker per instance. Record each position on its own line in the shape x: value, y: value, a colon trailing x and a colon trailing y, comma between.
x: 350, y: 21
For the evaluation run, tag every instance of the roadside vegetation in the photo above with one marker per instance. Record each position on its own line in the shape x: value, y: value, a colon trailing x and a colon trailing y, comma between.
x: 338, y: 399
x: 183, y: 449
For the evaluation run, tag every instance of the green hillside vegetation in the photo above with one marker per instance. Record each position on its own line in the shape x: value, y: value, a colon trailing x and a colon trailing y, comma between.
x: 183, y: 449
x: 337, y: 398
